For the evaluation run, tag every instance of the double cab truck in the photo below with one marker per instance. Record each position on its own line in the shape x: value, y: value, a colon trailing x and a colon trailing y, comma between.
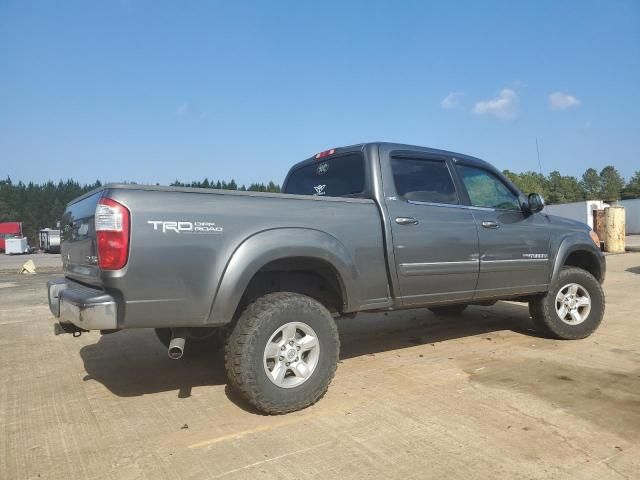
x: 365, y: 228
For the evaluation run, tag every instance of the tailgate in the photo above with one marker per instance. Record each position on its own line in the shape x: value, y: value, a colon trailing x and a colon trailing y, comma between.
x: 78, y: 240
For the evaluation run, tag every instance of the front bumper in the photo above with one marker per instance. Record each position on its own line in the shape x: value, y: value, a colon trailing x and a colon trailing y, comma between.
x: 86, y: 308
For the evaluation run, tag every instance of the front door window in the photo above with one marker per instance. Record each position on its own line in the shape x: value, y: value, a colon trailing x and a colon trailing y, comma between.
x: 487, y: 190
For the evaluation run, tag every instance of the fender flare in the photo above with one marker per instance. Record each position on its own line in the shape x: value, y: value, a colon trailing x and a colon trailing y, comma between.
x: 276, y: 244
x: 577, y: 242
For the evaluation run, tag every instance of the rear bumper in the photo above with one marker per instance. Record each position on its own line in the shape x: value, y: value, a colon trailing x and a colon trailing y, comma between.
x: 86, y: 308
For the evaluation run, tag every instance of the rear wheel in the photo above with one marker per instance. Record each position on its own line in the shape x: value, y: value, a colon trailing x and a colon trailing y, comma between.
x: 572, y: 308
x: 283, y: 352
x: 199, y: 340
x: 448, y: 310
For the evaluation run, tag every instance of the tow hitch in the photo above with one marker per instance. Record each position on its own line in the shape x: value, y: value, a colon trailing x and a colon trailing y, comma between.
x: 62, y: 328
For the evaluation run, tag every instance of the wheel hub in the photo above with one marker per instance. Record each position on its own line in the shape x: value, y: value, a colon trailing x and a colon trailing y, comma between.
x: 291, y: 354
x: 573, y: 304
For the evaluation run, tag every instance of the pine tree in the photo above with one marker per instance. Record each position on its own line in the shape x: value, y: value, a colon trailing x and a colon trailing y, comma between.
x: 611, y: 183
x: 273, y: 188
x: 591, y: 184
x: 632, y: 189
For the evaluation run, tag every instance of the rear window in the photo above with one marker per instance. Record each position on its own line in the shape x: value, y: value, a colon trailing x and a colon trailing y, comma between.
x: 77, y: 221
x: 335, y: 177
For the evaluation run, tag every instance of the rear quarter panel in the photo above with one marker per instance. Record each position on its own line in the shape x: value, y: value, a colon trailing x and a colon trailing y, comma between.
x: 171, y: 278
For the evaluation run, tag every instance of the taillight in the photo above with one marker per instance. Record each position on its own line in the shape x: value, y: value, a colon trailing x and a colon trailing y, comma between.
x: 112, y: 234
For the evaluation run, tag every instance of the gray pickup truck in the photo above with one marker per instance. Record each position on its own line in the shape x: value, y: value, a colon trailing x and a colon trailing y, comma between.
x: 372, y: 227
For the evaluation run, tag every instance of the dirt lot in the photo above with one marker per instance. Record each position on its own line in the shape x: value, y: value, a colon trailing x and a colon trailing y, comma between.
x: 479, y: 396
x: 44, y: 262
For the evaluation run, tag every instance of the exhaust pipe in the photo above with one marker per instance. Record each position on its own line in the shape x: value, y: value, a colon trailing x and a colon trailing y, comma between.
x: 176, y: 346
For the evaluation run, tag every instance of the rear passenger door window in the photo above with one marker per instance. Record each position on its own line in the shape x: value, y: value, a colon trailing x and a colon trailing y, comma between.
x: 435, y: 242
x: 420, y: 180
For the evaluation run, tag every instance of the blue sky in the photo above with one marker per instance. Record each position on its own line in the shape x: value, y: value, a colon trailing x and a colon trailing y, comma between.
x: 150, y: 91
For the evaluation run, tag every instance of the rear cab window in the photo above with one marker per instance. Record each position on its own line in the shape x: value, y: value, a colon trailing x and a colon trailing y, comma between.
x: 339, y: 176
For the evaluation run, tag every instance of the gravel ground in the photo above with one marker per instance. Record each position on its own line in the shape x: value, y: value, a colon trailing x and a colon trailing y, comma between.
x: 45, y: 262
x: 415, y: 397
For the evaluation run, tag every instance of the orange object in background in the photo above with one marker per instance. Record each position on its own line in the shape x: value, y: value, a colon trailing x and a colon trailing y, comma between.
x: 598, y: 224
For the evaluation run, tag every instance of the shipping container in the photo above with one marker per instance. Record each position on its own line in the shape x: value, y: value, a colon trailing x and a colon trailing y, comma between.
x: 16, y: 246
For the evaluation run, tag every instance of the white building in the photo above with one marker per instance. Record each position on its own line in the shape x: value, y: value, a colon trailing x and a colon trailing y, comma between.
x: 583, y: 212
x: 632, y: 215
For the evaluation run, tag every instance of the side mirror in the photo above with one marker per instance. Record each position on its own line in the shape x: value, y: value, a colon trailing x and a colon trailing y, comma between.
x: 536, y: 202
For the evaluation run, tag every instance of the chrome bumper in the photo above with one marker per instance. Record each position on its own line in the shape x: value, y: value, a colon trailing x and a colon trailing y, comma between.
x: 86, y: 308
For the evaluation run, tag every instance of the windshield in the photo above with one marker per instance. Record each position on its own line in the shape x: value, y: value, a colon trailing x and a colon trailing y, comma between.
x: 335, y: 177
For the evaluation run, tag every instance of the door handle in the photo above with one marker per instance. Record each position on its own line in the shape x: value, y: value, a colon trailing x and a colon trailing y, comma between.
x: 490, y: 224
x: 406, y: 221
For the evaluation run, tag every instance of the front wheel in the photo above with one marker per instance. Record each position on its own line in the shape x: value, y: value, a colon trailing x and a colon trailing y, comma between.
x: 573, y: 307
x: 283, y: 352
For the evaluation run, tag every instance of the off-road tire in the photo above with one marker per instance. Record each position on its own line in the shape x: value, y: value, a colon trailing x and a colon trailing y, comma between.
x: 194, y: 345
x: 448, y: 310
x: 543, y: 309
x: 244, y: 351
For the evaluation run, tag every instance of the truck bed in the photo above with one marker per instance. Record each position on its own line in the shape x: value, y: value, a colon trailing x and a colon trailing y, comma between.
x: 182, y: 241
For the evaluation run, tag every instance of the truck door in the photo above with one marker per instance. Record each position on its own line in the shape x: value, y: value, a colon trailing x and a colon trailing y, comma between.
x: 514, y: 245
x: 435, y: 238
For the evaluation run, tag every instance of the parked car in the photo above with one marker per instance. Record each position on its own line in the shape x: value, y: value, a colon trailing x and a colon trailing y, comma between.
x: 366, y: 228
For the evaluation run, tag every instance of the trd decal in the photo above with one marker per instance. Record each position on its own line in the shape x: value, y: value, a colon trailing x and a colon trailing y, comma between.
x: 184, y: 227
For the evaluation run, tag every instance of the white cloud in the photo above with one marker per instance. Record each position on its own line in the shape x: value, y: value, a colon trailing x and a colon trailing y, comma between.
x: 452, y: 100
x: 189, y: 110
x: 503, y: 106
x: 183, y: 109
x: 562, y: 101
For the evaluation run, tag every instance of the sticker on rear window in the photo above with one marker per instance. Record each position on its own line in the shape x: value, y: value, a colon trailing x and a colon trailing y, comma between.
x: 322, y: 168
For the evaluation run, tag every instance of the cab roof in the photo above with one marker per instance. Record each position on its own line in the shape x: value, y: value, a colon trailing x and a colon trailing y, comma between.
x: 360, y: 147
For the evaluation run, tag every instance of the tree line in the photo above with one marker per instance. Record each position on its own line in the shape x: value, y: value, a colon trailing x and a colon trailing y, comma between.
x: 232, y: 185
x: 608, y: 185
x: 39, y: 206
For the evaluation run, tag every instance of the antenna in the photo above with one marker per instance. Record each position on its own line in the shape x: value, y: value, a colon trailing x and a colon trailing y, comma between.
x: 538, y: 151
